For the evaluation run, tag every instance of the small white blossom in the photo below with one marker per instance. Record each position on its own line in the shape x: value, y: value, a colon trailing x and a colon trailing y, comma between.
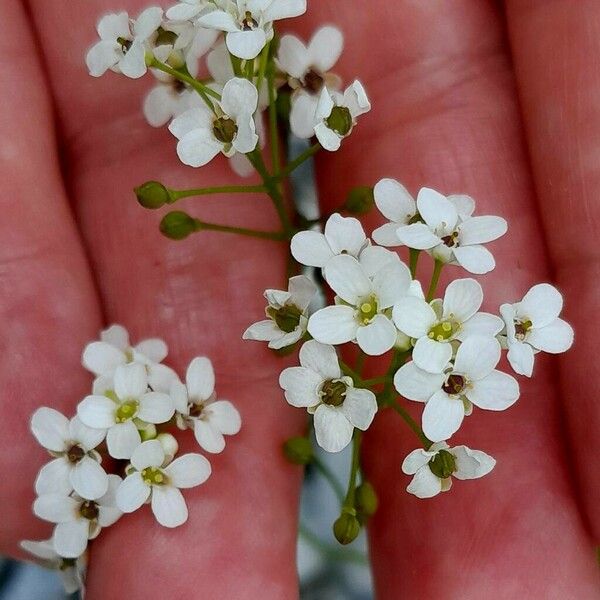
x: 363, y: 305
x: 320, y: 386
x: 470, y: 380
x: 287, y: 313
x: 202, y: 134
x: 119, y: 411
x: 448, y: 232
x: 71, y: 571
x: 151, y: 479
x: 248, y: 24
x: 123, y: 43
x: 76, y: 463
x: 436, y: 326
x: 78, y: 519
x: 198, y: 408
x: 433, y: 469
x: 533, y: 325
x: 167, y: 99
x: 395, y: 204
x: 336, y: 114
x: 342, y: 235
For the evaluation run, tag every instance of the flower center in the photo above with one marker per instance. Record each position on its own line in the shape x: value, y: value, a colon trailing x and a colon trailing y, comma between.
x: 225, y: 129
x: 165, y: 37
x: 89, y: 510
x: 248, y: 22
x: 153, y: 476
x: 67, y: 563
x: 126, y: 411
x: 522, y: 328
x: 443, y: 464
x: 451, y: 240
x: 196, y: 409
x: 287, y: 317
x: 125, y: 44
x: 367, y: 310
x: 340, y: 120
x: 313, y: 82
x: 454, y: 385
x: 75, y: 453
x: 333, y: 392
x: 443, y: 331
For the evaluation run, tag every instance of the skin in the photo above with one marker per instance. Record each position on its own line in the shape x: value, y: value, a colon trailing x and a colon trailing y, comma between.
x: 500, y: 102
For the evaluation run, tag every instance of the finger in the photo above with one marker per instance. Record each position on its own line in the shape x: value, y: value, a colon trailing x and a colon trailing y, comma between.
x: 47, y: 301
x: 445, y: 115
x: 200, y: 295
x: 562, y: 120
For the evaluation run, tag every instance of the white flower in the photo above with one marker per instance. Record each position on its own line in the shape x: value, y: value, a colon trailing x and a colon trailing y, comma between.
x: 395, y: 204
x: 202, y: 134
x: 119, y: 411
x: 435, y: 326
x: 532, y: 325
x: 363, y: 306
x: 433, y: 469
x: 319, y: 385
x: 308, y: 68
x: 71, y: 571
x: 287, y: 314
x: 249, y: 23
x: 448, y: 231
x: 470, y: 380
x: 78, y: 519
x: 166, y: 100
x: 198, y: 408
x: 151, y: 479
x: 343, y: 235
x: 76, y: 463
x: 123, y: 43
x: 336, y: 114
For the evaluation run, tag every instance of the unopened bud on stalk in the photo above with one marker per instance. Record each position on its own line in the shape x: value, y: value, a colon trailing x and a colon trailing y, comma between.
x: 153, y: 194
x: 177, y: 225
x: 298, y: 450
x: 366, y: 499
x: 346, y: 528
x: 148, y: 432
x: 360, y: 200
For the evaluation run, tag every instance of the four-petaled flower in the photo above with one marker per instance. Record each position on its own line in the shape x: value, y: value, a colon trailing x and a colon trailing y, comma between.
x: 320, y: 386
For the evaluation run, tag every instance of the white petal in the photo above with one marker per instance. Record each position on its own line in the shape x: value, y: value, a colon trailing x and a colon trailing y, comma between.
x: 293, y: 56
x: 239, y: 97
x: 387, y: 235
x: 554, y: 338
x: 377, y: 337
x: 224, y: 416
x: 42, y: 549
x: 418, y: 236
x: 481, y: 324
x: 321, y: 359
x: 287, y: 339
x: 122, y: 439
x: 471, y: 464
x: 391, y: 283
x: 360, y: 407
x: 303, y: 115
x: 262, y: 331
x: 415, y: 384
x: 333, y: 325
x: 475, y: 259
x: 436, y: 209
x: 112, y: 26
x: 183, y: 12
x: 200, y: 378
x: 301, y: 386
x: 356, y: 99
x: 415, y: 460
x: 480, y: 230
x: 332, y: 429
x: 148, y: 454
x: 520, y: 357
x: 87, y: 437
x: 465, y: 205
x: 496, y: 391
x: 50, y: 428
x: 198, y: 148
x: 246, y: 44
x: 168, y: 506
x: 188, y: 471
x: 161, y: 377
x: 133, y: 64
x: 199, y: 117
x: 329, y: 139
x: 101, y: 358
x: 53, y: 478
x: 208, y: 436
x: 132, y: 493
x: 413, y: 316
x: 442, y: 416
x: 218, y: 19
x: 102, y: 56
x: 97, y: 412
x: 425, y: 484
x: 302, y: 290
x: 155, y: 407
x: 462, y: 299
x: 431, y: 356
x: 154, y: 349
x: 148, y: 22
x: 541, y: 305
x: 311, y: 249
x: 325, y: 48
x: 345, y: 235
x: 88, y: 478
x: 374, y: 259
x: 394, y: 202
x: 284, y: 9
x: 131, y: 381
x: 477, y: 356
x: 55, y: 508
x: 70, y: 539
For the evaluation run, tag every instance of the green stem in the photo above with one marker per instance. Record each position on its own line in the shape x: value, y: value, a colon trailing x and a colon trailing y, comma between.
x: 411, y: 423
x: 376, y: 381
x: 263, y: 235
x: 301, y: 158
x: 413, y: 256
x: 435, y: 277
x: 331, y: 552
x: 236, y: 65
x: 349, y: 500
x: 330, y: 477
x: 360, y: 362
x: 348, y: 370
x: 273, y: 128
x: 250, y: 70
x: 223, y: 189
x: 262, y: 66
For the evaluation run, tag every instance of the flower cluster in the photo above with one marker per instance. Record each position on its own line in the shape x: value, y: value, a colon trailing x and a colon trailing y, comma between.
x: 135, y: 398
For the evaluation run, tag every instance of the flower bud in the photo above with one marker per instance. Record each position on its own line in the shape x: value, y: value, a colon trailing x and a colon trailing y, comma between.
x: 153, y: 194
x: 360, y: 200
x: 169, y: 444
x: 177, y: 225
x: 346, y: 528
x: 298, y: 450
x: 148, y: 432
x: 366, y: 499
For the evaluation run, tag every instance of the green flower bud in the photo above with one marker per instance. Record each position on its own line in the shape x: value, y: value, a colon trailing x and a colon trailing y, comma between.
x: 366, y: 499
x: 148, y: 432
x: 153, y: 194
x: 298, y: 450
x: 360, y: 200
x: 177, y: 225
x: 443, y: 464
x: 346, y: 528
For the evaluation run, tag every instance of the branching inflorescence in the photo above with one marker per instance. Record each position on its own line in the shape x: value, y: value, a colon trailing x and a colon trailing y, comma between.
x: 228, y: 83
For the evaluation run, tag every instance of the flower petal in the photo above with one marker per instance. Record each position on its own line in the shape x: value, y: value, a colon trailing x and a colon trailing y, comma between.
x: 154, y: 349
x: 436, y: 209
x: 520, y: 356
x: 122, y: 439
x: 425, y: 484
x: 188, y: 471
x: 360, y: 407
x: 50, y: 428
x: 132, y: 493
x: 553, y: 338
x: 333, y: 324
x: 329, y: 139
x: 55, y: 508
x: 246, y: 44
x: 102, y: 56
x: 394, y: 202
x: 239, y: 97
x: 97, y: 412
x: 480, y: 230
x: 208, y: 436
x: 101, y: 358
x: 303, y: 115
x: 293, y: 57
x: 155, y: 407
x: 87, y: 437
x: 442, y: 416
x: 377, y: 337
x: 471, y: 464
x: 431, y: 356
x: 477, y: 356
x: 262, y: 331
x: 223, y: 415
x: 541, y: 305
x: 70, y: 539
x: 133, y: 64
x: 301, y: 386
x: 89, y: 479
x: 131, y: 381
x: 310, y: 248
x: 387, y: 235
x: 284, y: 9
x: 462, y: 299
x: 148, y: 454
x: 332, y: 429
x: 53, y: 478
x: 418, y: 236
x: 345, y: 235
x: 413, y: 316
x: 197, y: 148
x: 481, y: 324
x: 391, y: 283
x: 325, y: 48
x: 320, y: 358
x: 496, y: 391
x: 475, y: 259
x: 416, y: 384
x: 168, y: 506
x: 415, y: 460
